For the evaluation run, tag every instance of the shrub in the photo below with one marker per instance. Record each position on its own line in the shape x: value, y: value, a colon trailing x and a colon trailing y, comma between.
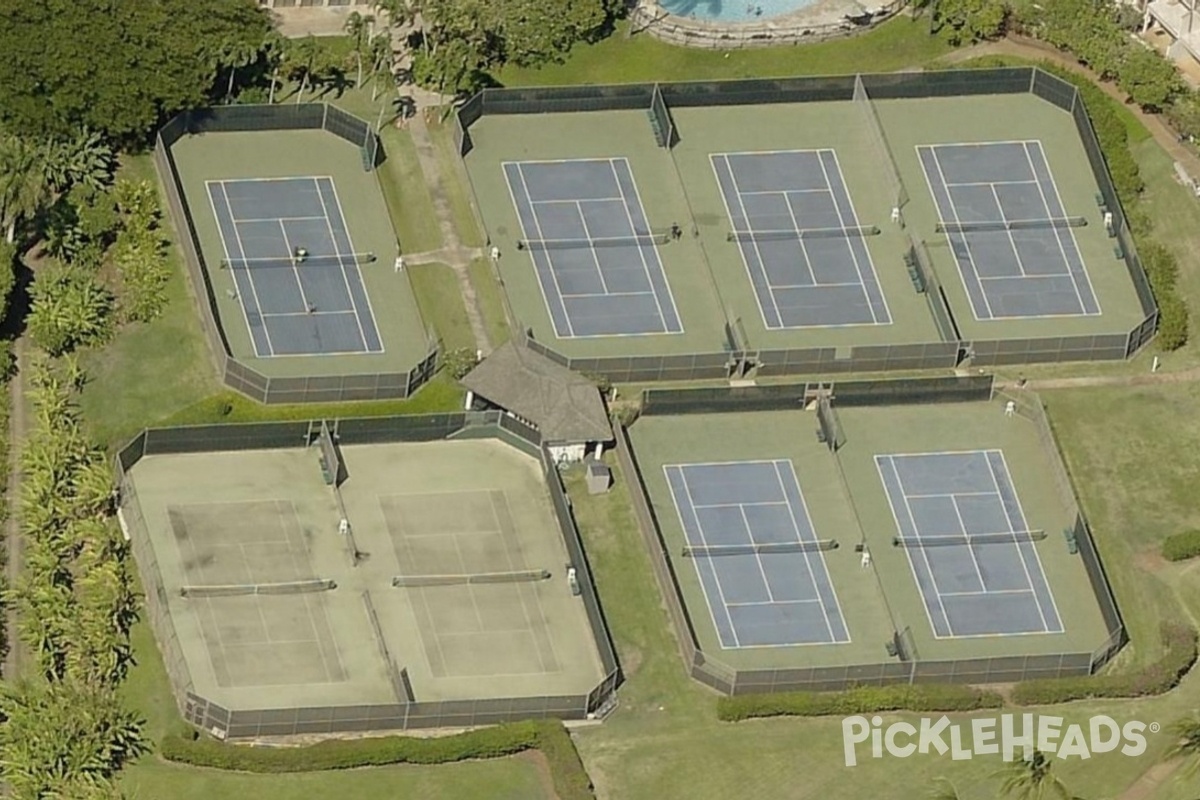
x: 571, y: 781
x: 1156, y: 678
x: 1181, y: 546
x: 859, y: 700
x: 69, y: 309
x: 502, y: 740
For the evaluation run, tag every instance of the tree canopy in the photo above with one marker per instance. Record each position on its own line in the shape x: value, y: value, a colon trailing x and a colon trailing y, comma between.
x: 116, y: 67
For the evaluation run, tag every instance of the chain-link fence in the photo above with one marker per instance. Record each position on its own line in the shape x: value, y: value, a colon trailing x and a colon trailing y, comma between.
x: 944, y: 354
x: 910, y: 666
x: 413, y: 712
x: 235, y: 374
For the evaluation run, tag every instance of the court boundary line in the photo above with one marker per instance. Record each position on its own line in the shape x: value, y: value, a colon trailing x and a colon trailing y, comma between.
x: 1031, y: 590
x: 712, y: 158
x: 771, y: 287
x: 511, y: 550
x: 315, y: 180
x: 932, y: 149
x: 704, y: 541
x: 841, y: 175
x: 1037, y: 556
x: 1024, y: 143
x: 1058, y: 232
x: 687, y: 489
x: 907, y: 551
x: 820, y: 556
x: 301, y: 561
x: 362, y: 281
x: 538, y: 228
x: 341, y: 260
x: 225, y: 249
x: 662, y: 268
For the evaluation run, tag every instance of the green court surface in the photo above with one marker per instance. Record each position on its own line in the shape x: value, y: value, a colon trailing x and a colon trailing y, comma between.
x: 290, y: 154
x: 706, y: 273
x: 266, y: 517
x: 883, y: 598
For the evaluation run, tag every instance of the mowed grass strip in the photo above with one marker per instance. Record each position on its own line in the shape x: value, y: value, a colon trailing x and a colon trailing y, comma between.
x: 902, y: 43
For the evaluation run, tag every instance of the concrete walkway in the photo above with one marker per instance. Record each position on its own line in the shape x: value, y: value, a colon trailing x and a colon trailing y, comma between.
x: 453, y: 253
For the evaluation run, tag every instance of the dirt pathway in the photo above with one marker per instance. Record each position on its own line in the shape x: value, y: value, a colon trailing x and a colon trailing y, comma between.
x: 457, y: 257
x: 15, y: 656
x: 1025, y: 47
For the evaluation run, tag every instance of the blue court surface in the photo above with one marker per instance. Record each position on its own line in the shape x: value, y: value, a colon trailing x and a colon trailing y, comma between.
x: 591, y: 244
x: 800, y: 239
x: 761, y: 599
x: 1031, y: 270
x: 982, y: 588
x: 314, y: 305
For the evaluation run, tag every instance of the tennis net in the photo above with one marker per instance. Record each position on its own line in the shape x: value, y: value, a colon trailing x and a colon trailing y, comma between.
x: 757, y: 548
x: 1015, y: 537
x: 243, y: 589
x: 471, y: 578
x: 888, y: 168
x: 641, y: 240
x: 1012, y: 225
x: 294, y: 262
x: 802, y: 233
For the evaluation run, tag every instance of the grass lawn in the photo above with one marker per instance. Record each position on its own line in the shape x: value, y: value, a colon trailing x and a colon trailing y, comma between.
x: 1129, y: 454
x: 904, y: 42
x: 498, y: 779
x: 441, y: 303
x: 150, y: 370
x: 491, y: 301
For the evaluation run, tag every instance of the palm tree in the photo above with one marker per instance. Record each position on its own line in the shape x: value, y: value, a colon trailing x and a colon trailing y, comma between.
x: 381, y: 63
x: 234, y: 55
x: 1032, y: 779
x: 303, y: 60
x: 275, y: 48
x: 23, y: 188
x: 358, y: 27
x: 1187, y: 744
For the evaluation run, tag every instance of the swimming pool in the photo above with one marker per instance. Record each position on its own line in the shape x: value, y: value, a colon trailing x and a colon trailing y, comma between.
x: 734, y: 10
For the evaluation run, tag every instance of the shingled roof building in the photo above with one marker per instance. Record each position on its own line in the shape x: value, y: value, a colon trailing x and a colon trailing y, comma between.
x: 564, y: 406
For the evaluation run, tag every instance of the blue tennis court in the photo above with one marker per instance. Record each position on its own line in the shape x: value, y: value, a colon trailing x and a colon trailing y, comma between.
x: 1011, y: 236
x: 768, y: 599
x: 294, y: 267
x: 595, y: 255
x: 800, y: 239
x: 968, y: 544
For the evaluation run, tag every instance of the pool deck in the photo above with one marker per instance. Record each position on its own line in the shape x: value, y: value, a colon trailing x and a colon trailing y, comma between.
x: 824, y: 19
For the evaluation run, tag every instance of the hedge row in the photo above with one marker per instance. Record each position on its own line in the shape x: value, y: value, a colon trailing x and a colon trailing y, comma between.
x: 571, y: 781
x: 1161, y: 676
x: 1109, y: 122
x: 1181, y: 546
x: 859, y: 700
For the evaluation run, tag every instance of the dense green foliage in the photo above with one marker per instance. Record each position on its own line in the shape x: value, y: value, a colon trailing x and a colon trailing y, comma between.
x: 1156, y: 678
x: 115, y: 67
x: 461, y: 39
x: 1181, y: 546
x: 140, y: 252
x: 963, y: 22
x: 69, y: 309
x: 1093, y: 31
x: 66, y: 730
x: 549, y: 736
x: 859, y: 700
